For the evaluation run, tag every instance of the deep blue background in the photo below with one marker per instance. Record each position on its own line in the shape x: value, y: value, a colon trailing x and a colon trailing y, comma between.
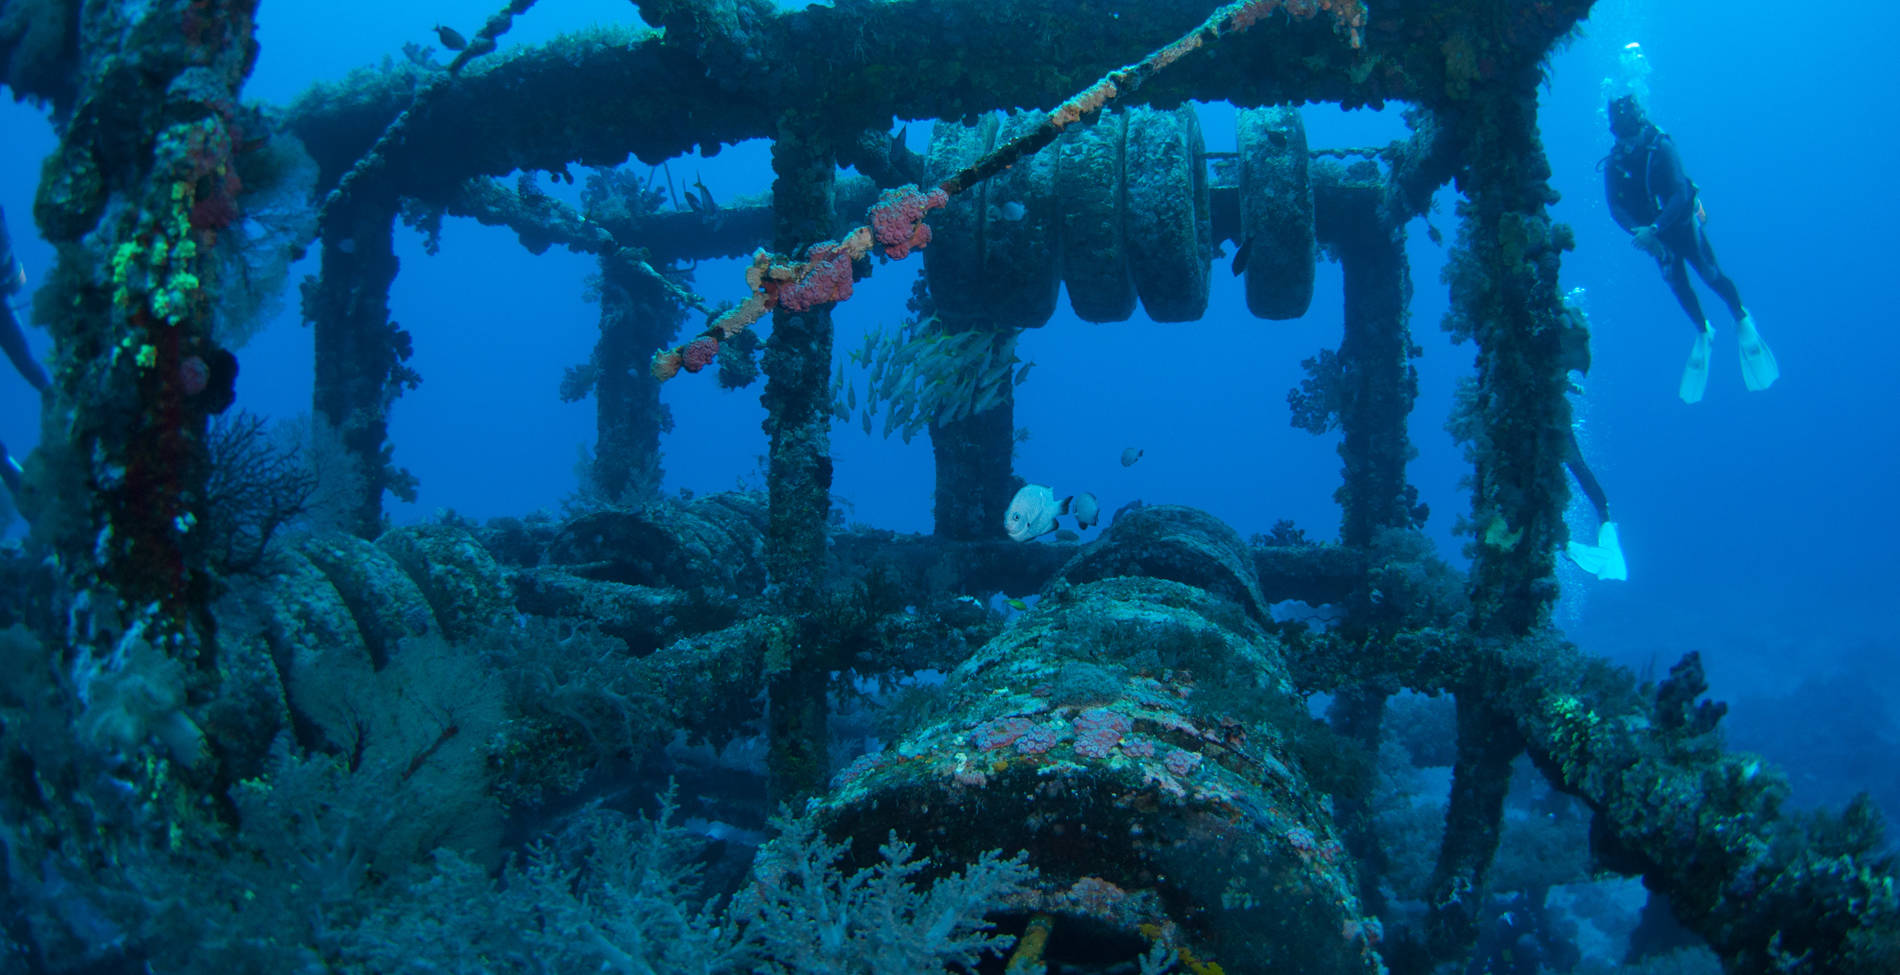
x: 1759, y: 526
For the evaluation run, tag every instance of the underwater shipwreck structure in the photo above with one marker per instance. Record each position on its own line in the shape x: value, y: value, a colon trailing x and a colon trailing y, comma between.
x: 233, y: 744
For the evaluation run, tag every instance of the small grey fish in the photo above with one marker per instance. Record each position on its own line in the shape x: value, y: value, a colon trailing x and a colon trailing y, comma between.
x: 450, y: 38
x: 1130, y: 455
x: 1087, y: 511
x: 1065, y: 535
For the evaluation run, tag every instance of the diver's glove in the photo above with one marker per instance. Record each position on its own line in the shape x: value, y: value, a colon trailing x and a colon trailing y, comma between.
x: 1649, y: 242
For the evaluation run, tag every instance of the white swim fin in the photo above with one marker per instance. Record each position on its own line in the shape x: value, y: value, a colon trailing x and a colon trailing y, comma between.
x: 1695, y: 375
x: 1759, y: 369
x: 1604, y: 559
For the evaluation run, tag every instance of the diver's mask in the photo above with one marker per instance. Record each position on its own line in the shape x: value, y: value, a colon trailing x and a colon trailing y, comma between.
x: 1627, y: 120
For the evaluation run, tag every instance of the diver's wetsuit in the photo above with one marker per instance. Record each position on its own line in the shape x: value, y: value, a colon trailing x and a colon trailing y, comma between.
x: 1647, y: 185
x: 1573, y: 459
x: 13, y: 342
x: 12, y: 336
x: 1575, y: 343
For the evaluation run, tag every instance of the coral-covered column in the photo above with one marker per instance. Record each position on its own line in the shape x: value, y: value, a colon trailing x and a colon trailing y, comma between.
x: 1474, y: 822
x: 144, y: 179
x: 1377, y: 383
x: 797, y: 398
x: 1504, y: 294
x: 974, y: 477
x: 636, y: 316
x: 1376, y: 387
x: 1503, y: 279
x: 360, y: 353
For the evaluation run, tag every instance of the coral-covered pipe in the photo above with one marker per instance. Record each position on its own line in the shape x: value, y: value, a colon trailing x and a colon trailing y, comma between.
x: 1136, y: 735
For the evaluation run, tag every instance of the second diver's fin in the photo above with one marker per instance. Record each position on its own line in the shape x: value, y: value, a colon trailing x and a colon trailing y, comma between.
x: 1759, y: 369
x: 1695, y: 374
x: 1616, y: 569
x: 1604, y: 559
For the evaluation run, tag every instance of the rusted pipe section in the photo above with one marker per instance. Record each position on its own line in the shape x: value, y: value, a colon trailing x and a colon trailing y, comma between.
x: 1137, y: 734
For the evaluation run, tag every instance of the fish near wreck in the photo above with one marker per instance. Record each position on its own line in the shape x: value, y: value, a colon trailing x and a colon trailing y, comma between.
x: 1033, y: 512
x: 1087, y: 511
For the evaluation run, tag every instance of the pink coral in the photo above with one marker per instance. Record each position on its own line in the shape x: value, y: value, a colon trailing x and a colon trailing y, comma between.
x: 194, y: 375
x: 699, y: 353
x: 994, y: 734
x: 898, y: 218
x: 859, y: 767
x: 826, y: 278
x: 1182, y: 763
x: 1036, y: 740
x: 1099, y: 730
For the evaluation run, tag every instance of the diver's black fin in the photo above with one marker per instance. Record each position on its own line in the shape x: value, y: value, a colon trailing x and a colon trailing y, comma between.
x: 1240, y: 254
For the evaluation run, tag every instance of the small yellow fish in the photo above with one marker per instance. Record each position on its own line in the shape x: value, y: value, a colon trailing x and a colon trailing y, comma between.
x: 1499, y: 535
x: 991, y: 398
x: 1017, y: 605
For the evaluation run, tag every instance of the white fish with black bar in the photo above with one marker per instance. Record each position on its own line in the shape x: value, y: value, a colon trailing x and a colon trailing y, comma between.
x: 1087, y: 511
x: 1032, y: 512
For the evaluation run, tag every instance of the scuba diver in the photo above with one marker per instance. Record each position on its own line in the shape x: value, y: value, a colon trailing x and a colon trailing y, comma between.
x: 1604, y: 559
x: 1653, y: 199
x: 13, y: 340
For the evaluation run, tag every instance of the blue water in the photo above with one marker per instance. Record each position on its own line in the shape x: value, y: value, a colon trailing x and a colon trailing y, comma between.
x: 1760, y: 527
